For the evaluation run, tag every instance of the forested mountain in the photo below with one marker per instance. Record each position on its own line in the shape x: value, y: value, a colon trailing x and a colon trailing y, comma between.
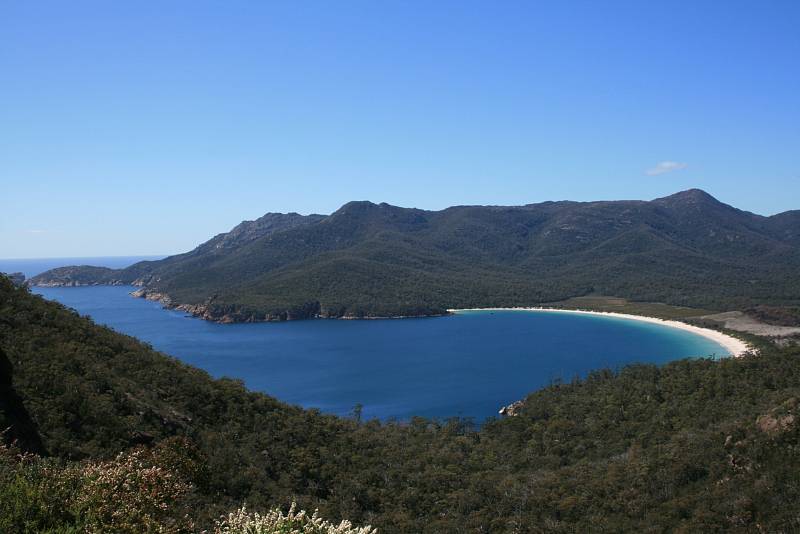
x: 370, y: 259
x: 692, y: 446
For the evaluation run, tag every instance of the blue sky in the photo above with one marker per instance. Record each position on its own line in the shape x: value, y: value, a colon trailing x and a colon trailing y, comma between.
x: 147, y: 127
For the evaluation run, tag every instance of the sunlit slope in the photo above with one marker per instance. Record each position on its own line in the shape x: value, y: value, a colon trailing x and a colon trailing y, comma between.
x: 370, y: 259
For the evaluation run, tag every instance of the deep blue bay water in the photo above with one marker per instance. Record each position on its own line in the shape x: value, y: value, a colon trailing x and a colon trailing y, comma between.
x: 469, y: 364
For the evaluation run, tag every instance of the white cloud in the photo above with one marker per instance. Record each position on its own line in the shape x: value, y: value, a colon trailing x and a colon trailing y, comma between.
x: 664, y: 167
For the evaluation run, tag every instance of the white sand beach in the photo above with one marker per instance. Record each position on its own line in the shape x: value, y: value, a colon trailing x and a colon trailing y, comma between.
x: 735, y: 347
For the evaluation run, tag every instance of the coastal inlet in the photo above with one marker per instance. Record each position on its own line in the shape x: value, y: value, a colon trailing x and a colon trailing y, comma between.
x: 468, y: 364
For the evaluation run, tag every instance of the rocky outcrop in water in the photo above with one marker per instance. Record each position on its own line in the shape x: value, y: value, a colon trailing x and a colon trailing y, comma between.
x: 512, y: 409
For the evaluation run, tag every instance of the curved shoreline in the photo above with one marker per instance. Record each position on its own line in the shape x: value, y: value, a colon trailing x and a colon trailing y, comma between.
x: 735, y: 347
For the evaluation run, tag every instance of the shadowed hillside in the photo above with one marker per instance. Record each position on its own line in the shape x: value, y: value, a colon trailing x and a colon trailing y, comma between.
x: 695, y: 445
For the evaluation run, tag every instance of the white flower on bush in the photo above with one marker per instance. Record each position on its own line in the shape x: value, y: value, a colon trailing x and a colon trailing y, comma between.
x: 275, y: 522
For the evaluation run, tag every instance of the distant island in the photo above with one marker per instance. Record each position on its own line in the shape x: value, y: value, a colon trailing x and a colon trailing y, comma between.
x: 377, y: 260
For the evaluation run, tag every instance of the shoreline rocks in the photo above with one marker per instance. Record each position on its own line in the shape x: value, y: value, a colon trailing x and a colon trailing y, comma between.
x: 227, y: 314
x: 513, y: 409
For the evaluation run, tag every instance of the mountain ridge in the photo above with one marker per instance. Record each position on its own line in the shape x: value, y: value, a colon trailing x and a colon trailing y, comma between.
x: 375, y: 260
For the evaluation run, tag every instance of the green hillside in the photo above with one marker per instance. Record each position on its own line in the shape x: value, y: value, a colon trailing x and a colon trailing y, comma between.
x: 693, y: 446
x: 380, y: 260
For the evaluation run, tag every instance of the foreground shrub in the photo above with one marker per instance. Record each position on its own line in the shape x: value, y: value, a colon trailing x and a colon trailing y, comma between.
x: 130, y: 493
x: 275, y: 522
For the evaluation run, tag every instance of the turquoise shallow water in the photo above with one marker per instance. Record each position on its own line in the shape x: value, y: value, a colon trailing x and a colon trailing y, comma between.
x: 464, y: 365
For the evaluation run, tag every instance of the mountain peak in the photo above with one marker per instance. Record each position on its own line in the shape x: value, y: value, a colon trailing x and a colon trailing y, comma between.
x: 690, y: 196
x: 365, y: 207
x: 357, y: 205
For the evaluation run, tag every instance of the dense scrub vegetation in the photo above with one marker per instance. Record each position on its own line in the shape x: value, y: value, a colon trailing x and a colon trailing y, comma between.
x: 619, y: 305
x: 365, y: 259
x: 776, y: 315
x: 693, y: 446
